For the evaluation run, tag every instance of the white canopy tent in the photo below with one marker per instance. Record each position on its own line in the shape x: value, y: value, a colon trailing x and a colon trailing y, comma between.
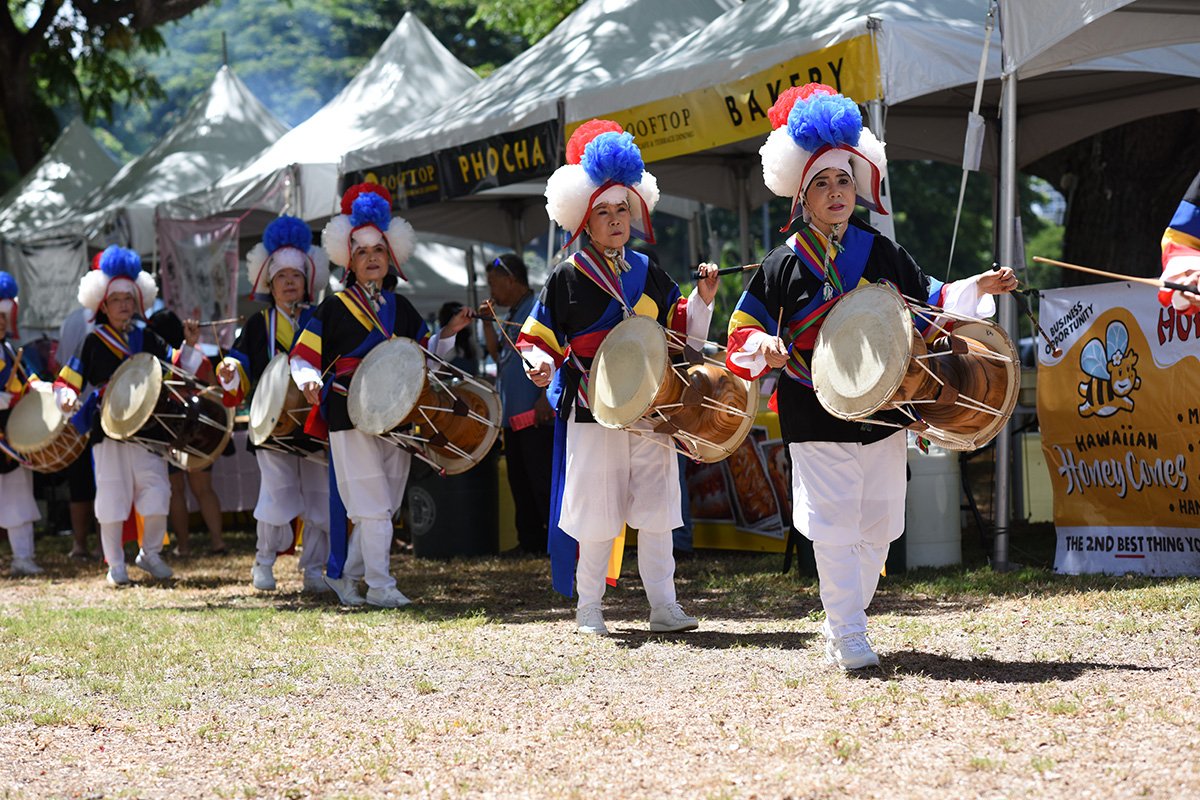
x: 223, y: 127
x: 410, y: 75
x: 602, y: 41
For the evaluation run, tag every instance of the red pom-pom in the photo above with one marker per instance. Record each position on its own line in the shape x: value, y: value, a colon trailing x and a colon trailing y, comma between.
x: 96, y: 260
x: 363, y: 188
x: 784, y: 103
x: 585, y: 133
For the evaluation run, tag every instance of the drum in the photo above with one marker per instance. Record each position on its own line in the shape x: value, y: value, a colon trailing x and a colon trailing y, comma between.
x: 442, y: 416
x: 167, y: 411
x: 644, y: 374
x: 277, y: 413
x: 958, y: 390
x: 43, y: 435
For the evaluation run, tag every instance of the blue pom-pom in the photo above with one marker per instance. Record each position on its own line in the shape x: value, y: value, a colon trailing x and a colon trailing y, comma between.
x: 613, y: 157
x: 119, y: 262
x: 287, y: 232
x: 371, y: 209
x: 823, y: 119
x: 8, y: 286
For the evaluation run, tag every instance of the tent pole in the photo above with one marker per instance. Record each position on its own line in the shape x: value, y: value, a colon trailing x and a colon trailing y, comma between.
x: 743, y: 183
x: 1008, y: 229
x: 551, y: 236
x: 885, y: 224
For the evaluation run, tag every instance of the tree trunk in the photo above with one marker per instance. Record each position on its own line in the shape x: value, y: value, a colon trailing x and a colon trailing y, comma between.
x: 1122, y: 187
x: 17, y: 104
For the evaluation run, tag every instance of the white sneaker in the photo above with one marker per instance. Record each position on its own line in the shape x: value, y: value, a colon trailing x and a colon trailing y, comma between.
x: 590, y: 620
x: 24, y: 566
x: 671, y: 619
x: 117, y: 576
x: 390, y: 597
x: 153, y: 563
x: 315, y: 583
x: 852, y: 651
x: 263, y: 577
x: 346, y: 590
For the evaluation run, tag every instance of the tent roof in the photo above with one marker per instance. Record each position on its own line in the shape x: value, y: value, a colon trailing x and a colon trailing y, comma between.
x: 73, y: 166
x: 223, y: 127
x: 600, y: 41
x: 410, y: 75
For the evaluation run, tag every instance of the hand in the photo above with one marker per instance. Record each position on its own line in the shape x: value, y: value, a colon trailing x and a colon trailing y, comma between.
x: 312, y: 392
x: 774, y: 351
x: 541, y: 376
x: 998, y: 281
x: 191, y: 332
x: 1189, y: 276
x: 459, y: 321
x: 67, y: 400
x: 227, y: 371
x: 543, y: 412
x: 707, y: 285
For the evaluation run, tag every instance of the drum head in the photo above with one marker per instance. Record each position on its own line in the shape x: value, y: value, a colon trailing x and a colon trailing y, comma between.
x: 627, y: 371
x: 862, y: 352
x: 34, y: 422
x: 130, y: 396
x: 484, y: 402
x: 267, y: 405
x: 386, y: 385
x: 994, y: 338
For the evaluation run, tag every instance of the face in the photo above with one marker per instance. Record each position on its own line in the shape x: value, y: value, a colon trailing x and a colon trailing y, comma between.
x: 830, y: 197
x: 608, y: 225
x: 505, y: 289
x: 287, y: 287
x: 369, y: 264
x: 119, y: 307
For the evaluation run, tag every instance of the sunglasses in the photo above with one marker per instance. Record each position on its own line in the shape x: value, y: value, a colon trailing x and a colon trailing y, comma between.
x: 498, y: 264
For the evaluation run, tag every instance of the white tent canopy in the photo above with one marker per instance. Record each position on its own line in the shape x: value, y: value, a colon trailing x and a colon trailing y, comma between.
x: 601, y: 41
x: 73, y: 166
x: 222, y: 128
x: 410, y: 75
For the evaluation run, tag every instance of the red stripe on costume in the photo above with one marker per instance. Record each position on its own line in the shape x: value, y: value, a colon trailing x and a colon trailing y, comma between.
x: 737, y: 340
x: 315, y: 425
x: 526, y: 341
x: 234, y: 399
x: 678, y: 319
x: 586, y: 344
x: 307, y: 353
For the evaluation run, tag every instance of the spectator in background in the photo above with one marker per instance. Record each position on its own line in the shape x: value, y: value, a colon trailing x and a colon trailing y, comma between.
x: 167, y: 324
x: 464, y: 355
x: 527, y: 416
x: 81, y: 480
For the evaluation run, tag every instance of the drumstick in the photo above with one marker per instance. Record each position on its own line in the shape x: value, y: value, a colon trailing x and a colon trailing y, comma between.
x: 730, y: 270
x: 218, y: 322
x: 489, y: 318
x: 1155, y: 282
x: 508, y: 338
x: 1023, y: 304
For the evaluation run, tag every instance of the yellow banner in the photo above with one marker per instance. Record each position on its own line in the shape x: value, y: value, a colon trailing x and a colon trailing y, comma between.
x: 731, y: 112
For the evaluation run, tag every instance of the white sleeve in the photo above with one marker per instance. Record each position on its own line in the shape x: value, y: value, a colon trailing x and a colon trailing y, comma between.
x: 443, y: 347
x: 536, y: 357
x: 964, y: 297
x: 303, y: 373
x: 236, y: 380
x: 190, y: 358
x: 1182, y: 269
x: 65, y: 397
x: 699, y: 317
x: 748, y: 357
x: 6, y: 399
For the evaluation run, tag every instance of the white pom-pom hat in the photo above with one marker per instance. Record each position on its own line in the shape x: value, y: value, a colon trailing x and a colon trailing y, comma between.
x: 287, y: 244
x: 116, y: 270
x: 816, y: 128
x: 603, y: 166
x: 366, y: 220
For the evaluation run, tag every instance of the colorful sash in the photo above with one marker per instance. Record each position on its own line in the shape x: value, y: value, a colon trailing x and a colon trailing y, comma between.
x: 114, y: 341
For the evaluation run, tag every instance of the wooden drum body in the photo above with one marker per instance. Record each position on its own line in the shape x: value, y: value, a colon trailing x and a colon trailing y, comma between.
x: 43, y: 435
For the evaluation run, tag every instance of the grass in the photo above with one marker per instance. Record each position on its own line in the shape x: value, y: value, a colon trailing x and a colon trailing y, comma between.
x: 991, y: 685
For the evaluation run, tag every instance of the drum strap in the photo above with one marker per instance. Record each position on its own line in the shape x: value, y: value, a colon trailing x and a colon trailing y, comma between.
x: 114, y: 341
x: 582, y: 399
x: 592, y: 263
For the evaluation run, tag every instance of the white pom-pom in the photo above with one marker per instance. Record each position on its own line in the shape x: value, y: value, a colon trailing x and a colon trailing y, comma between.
x: 336, y: 239
x: 91, y: 289
x: 335, y: 285
x: 782, y: 163
x: 254, y: 262
x: 567, y: 193
x: 873, y: 150
x: 402, y: 239
x: 148, y: 289
x: 647, y: 187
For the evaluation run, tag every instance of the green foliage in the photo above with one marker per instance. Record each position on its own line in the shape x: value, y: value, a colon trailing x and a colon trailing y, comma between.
x: 530, y: 20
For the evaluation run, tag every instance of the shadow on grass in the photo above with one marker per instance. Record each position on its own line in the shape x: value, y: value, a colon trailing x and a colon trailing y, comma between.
x: 902, y: 663
x: 632, y: 639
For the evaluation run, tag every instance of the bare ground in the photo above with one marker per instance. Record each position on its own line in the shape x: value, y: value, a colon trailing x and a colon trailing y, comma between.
x: 1027, y: 685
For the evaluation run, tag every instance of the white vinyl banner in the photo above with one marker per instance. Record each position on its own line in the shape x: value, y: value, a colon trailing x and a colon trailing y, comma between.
x: 1120, y: 418
x: 198, y: 263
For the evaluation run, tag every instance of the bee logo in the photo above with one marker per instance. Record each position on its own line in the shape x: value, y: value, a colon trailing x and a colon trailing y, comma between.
x: 1112, y: 371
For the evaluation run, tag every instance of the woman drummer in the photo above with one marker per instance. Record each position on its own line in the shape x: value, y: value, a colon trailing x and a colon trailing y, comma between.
x: 18, y: 509
x: 1181, y: 252
x: 821, y: 157
x: 604, y: 479
x: 370, y: 473
x: 117, y: 292
x: 285, y: 270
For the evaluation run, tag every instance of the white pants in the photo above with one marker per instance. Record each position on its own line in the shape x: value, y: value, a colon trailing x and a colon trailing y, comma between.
x: 615, y: 478
x: 848, y: 499
x: 154, y: 531
x: 371, y: 475
x: 127, y: 476
x: 292, y: 487
x: 656, y: 566
x: 17, y: 506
